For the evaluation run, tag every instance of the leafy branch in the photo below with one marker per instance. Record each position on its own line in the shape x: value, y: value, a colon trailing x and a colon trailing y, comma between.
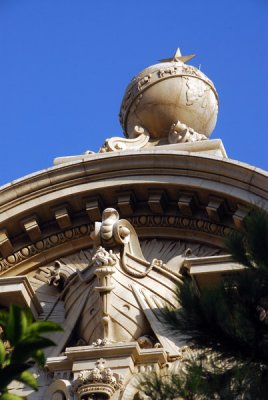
x: 21, y: 346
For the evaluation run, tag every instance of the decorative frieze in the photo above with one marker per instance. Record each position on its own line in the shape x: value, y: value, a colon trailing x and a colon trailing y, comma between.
x: 43, y: 245
x: 165, y: 221
x: 181, y: 222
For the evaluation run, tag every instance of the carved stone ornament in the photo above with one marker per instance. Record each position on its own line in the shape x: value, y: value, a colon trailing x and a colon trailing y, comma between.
x: 138, y: 221
x: 47, y: 243
x: 113, y: 232
x: 56, y: 275
x: 103, y: 257
x: 140, y: 139
x: 98, y: 380
x: 181, y: 133
x: 104, y: 262
x: 166, y: 92
x: 100, y: 342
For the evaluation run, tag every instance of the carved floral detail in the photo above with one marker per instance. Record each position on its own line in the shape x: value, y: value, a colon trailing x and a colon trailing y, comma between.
x: 181, y: 133
x: 98, y: 380
x: 103, y: 257
x: 100, y: 342
x: 140, y: 138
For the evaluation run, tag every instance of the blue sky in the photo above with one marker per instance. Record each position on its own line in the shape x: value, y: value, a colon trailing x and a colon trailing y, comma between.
x: 64, y: 66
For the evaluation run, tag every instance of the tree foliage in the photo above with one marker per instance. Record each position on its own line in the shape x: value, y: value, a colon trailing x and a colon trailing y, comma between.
x: 227, y: 325
x: 21, y: 346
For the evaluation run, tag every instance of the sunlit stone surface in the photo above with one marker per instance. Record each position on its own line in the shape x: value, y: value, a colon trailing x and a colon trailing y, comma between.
x: 165, y: 93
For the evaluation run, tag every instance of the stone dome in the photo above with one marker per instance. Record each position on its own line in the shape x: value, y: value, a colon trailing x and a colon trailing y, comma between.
x: 168, y: 92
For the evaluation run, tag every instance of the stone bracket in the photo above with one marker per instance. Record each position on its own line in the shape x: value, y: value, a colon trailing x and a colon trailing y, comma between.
x: 6, y: 246
x: 31, y: 227
x: 94, y: 207
x: 62, y: 217
x: 216, y: 208
x: 125, y: 202
x: 240, y: 215
x: 157, y: 201
x: 188, y: 203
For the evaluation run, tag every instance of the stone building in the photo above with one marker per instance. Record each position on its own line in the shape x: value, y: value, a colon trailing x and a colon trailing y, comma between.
x: 98, y: 241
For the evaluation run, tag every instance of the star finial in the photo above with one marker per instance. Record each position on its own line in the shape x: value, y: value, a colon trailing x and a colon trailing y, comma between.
x: 178, y: 57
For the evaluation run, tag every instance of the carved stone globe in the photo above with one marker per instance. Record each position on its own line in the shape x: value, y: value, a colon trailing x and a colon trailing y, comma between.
x: 168, y: 92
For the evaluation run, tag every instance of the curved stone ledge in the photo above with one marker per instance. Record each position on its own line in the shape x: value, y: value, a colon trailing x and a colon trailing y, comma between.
x: 98, y: 167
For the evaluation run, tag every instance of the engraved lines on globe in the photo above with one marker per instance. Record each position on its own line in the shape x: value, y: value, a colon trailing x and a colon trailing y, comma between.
x: 138, y: 85
x: 44, y: 244
x: 195, y: 93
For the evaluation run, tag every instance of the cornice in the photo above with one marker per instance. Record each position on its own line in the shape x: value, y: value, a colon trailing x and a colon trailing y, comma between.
x: 193, y: 196
x: 147, y: 163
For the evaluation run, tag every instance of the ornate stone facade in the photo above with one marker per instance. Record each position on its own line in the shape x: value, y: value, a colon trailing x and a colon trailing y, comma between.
x: 99, y: 241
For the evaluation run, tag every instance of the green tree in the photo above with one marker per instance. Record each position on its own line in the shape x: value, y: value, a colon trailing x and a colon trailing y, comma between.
x: 21, y: 346
x: 228, y: 327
